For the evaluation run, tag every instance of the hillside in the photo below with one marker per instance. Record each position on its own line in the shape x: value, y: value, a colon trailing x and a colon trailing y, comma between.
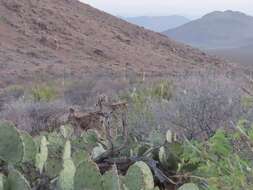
x: 227, y: 29
x: 158, y: 23
x: 51, y: 37
x: 242, y: 55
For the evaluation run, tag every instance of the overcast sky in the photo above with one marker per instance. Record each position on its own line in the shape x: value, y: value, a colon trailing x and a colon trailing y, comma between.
x: 190, y: 8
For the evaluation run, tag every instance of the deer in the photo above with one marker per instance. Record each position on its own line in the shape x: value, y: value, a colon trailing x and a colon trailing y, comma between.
x: 85, y: 121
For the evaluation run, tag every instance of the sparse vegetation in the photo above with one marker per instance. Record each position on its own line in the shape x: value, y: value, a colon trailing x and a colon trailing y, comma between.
x: 42, y: 93
x: 174, y: 137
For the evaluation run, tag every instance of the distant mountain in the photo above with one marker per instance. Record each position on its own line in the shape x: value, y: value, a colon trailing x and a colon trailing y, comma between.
x: 228, y: 29
x: 158, y: 23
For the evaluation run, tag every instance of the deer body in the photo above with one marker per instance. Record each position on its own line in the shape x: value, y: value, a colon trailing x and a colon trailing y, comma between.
x: 108, y: 119
x: 85, y: 121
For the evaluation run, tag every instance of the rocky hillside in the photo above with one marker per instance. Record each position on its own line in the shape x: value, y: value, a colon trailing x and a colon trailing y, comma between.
x: 228, y: 29
x: 52, y: 37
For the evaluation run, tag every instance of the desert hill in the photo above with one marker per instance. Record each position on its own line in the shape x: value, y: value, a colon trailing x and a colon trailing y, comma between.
x: 51, y: 37
x: 228, y: 29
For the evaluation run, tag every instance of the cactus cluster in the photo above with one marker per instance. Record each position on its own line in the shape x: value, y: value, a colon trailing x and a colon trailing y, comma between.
x: 67, y: 161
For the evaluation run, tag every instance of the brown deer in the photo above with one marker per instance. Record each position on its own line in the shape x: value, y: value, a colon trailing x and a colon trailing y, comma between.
x: 85, y: 121
x: 108, y: 119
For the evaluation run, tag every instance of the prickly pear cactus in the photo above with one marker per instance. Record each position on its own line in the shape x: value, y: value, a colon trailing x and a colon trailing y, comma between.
x: 53, y: 165
x: 139, y: 177
x: 2, y: 181
x: 156, y: 138
x: 66, y: 178
x: 111, y: 179
x: 97, y: 151
x: 189, y: 186
x: 90, y: 139
x: 11, y: 144
x: 87, y: 176
x: 29, y: 147
x: 80, y: 156
x: 66, y: 131
x: 166, y: 159
x: 87, y: 141
x: 56, y: 143
x: 169, y: 155
x: 169, y: 136
x: 16, y: 181
x: 41, y: 157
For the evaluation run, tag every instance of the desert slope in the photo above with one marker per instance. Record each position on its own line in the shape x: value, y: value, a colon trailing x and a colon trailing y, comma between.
x: 51, y: 37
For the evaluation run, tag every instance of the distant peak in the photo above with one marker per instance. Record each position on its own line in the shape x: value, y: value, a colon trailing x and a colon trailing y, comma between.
x: 224, y: 13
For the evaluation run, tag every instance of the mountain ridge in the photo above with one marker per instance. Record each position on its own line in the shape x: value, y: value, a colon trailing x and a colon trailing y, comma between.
x: 227, y: 29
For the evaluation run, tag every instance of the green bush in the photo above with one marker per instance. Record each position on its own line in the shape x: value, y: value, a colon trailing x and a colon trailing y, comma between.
x: 43, y: 93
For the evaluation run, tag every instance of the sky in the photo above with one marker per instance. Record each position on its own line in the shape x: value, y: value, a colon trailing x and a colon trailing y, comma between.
x: 188, y: 8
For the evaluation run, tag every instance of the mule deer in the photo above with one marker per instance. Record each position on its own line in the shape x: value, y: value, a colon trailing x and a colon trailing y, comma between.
x: 85, y: 121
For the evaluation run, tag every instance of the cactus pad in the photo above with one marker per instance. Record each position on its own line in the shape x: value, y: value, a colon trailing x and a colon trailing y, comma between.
x: 29, y: 147
x: 139, y: 177
x: 53, y: 166
x: 111, y: 180
x: 66, y: 131
x: 189, y: 186
x: 80, y: 156
x: 11, y: 144
x: 2, y: 179
x: 17, y: 181
x: 41, y: 157
x: 97, y: 151
x: 87, y: 176
x: 66, y: 178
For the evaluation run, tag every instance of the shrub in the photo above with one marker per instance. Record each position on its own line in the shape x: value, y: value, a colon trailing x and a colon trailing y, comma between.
x: 11, y: 93
x: 143, y: 101
x: 203, y: 105
x: 43, y: 93
x: 34, y: 117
